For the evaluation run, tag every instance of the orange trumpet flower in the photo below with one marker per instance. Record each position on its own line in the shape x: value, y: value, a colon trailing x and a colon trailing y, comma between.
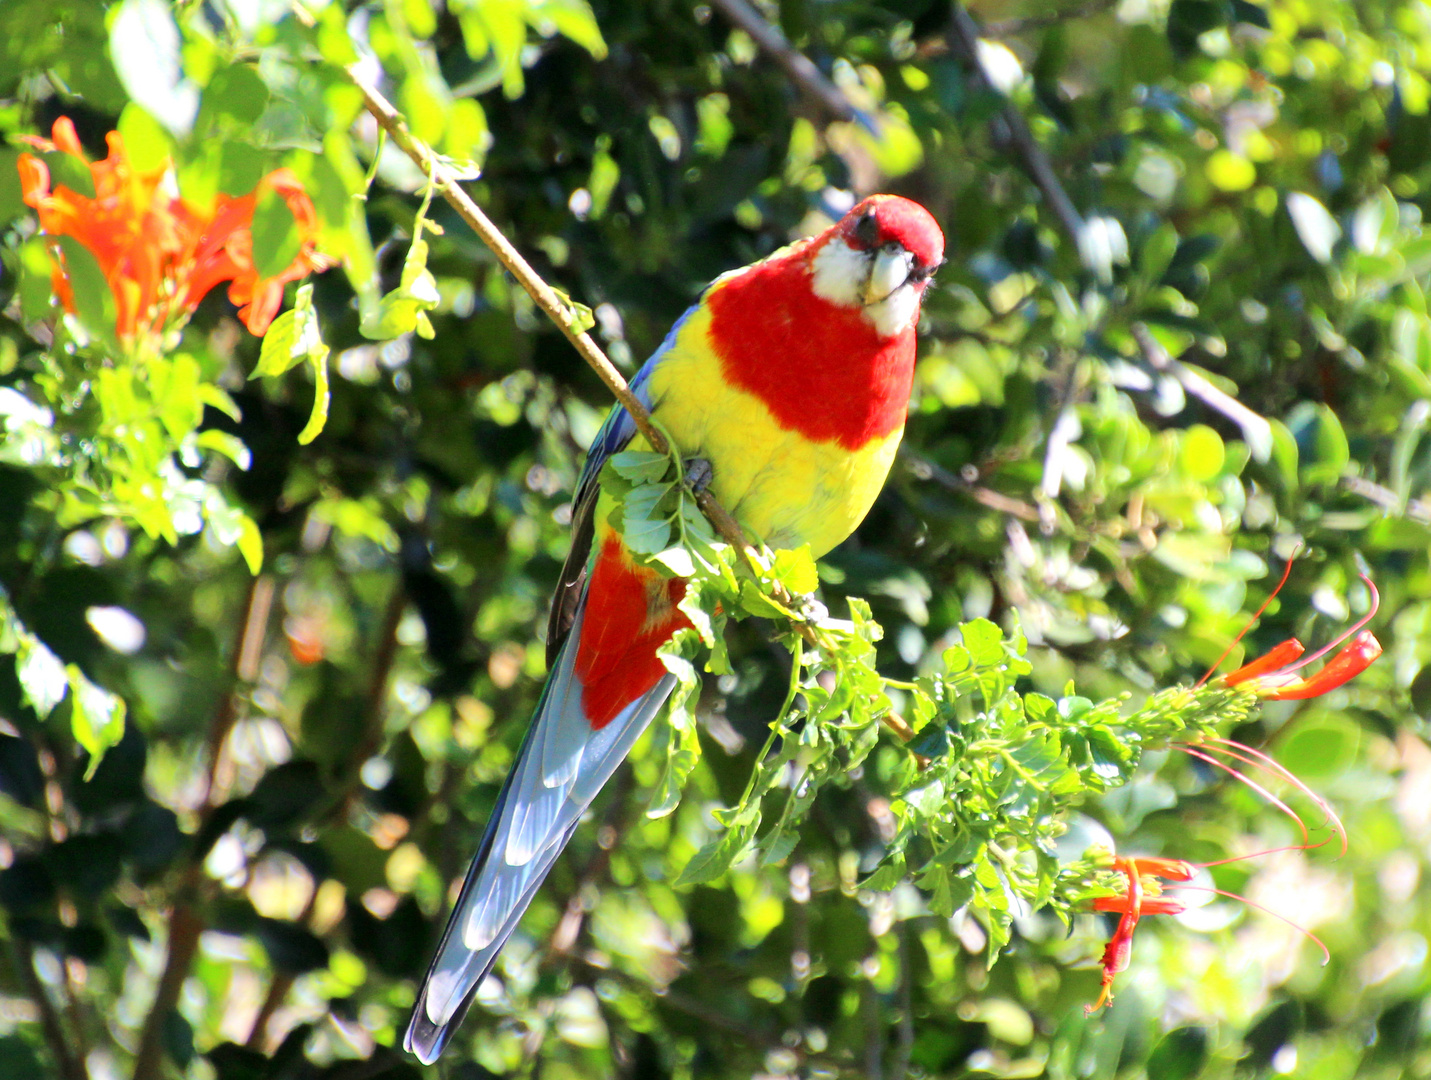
x: 160, y: 254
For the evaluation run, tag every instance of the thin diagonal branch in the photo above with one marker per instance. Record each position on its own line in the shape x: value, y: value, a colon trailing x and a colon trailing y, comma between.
x: 1012, y: 130
x: 185, y: 923
x: 1256, y: 431
x: 801, y: 69
x: 70, y: 1066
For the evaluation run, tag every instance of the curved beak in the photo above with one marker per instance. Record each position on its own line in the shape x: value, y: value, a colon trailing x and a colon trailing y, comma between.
x: 889, y: 271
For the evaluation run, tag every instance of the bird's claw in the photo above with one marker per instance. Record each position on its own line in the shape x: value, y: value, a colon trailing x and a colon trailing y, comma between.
x: 699, y: 474
x: 811, y: 609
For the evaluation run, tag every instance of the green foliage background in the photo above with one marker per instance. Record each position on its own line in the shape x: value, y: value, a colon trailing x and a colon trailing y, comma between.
x: 341, y: 636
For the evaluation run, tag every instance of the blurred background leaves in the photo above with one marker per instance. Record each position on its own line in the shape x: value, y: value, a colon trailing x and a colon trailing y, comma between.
x: 1183, y: 329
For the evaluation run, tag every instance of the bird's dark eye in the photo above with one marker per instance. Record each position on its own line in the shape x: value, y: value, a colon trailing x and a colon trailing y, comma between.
x: 920, y: 272
x: 867, y: 230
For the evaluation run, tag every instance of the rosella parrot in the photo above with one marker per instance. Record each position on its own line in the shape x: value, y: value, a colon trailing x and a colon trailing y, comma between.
x: 791, y: 377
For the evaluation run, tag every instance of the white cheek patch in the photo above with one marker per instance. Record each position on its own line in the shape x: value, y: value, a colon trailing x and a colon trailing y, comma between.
x: 896, y: 312
x: 838, y: 273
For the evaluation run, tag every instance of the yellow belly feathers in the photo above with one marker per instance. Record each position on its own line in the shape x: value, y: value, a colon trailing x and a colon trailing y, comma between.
x: 786, y: 489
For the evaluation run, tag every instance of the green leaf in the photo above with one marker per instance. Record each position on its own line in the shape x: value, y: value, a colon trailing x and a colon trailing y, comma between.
x: 230, y: 446
x: 318, y: 358
x: 677, y: 560
x: 404, y: 310
x: 95, y: 308
x: 573, y: 19
x: 276, y: 242
x: 985, y: 642
x: 147, y: 145
x: 279, y: 351
x: 43, y: 678
x: 796, y: 571
x: 237, y: 93
x: 231, y: 526
x: 96, y: 717
x: 1181, y: 1055
x: 717, y: 856
x: 1315, y: 225
x: 641, y: 466
x: 683, y: 747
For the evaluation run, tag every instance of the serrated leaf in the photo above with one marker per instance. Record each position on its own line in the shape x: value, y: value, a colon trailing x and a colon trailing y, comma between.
x: 682, y: 743
x: 645, y: 536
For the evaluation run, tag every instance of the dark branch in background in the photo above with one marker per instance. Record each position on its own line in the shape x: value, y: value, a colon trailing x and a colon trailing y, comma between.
x: 185, y: 927
x: 70, y: 1067
x: 801, y: 69
x: 371, y: 741
x: 185, y: 924
x: 1011, y: 130
x: 243, y: 668
x: 1256, y: 431
x: 1011, y: 27
x: 924, y: 469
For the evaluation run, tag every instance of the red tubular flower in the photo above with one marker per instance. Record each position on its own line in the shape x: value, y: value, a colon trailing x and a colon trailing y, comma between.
x: 1148, y: 877
x: 1144, y: 896
x: 1284, y: 685
x: 1273, y: 676
x: 221, y: 249
x: 159, y: 254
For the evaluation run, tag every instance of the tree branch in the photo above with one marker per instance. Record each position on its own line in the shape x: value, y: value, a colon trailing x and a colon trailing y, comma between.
x: 561, y: 313
x: 70, y: 1066
x: 801, y: 69
x: 924, y: 469
x: 1012, y: 130
x: 185, y: 924
x: 1256, y: 431
x: 381, y: 670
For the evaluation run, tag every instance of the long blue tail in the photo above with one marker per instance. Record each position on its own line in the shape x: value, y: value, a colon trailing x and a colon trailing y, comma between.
x: 560, y: 767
